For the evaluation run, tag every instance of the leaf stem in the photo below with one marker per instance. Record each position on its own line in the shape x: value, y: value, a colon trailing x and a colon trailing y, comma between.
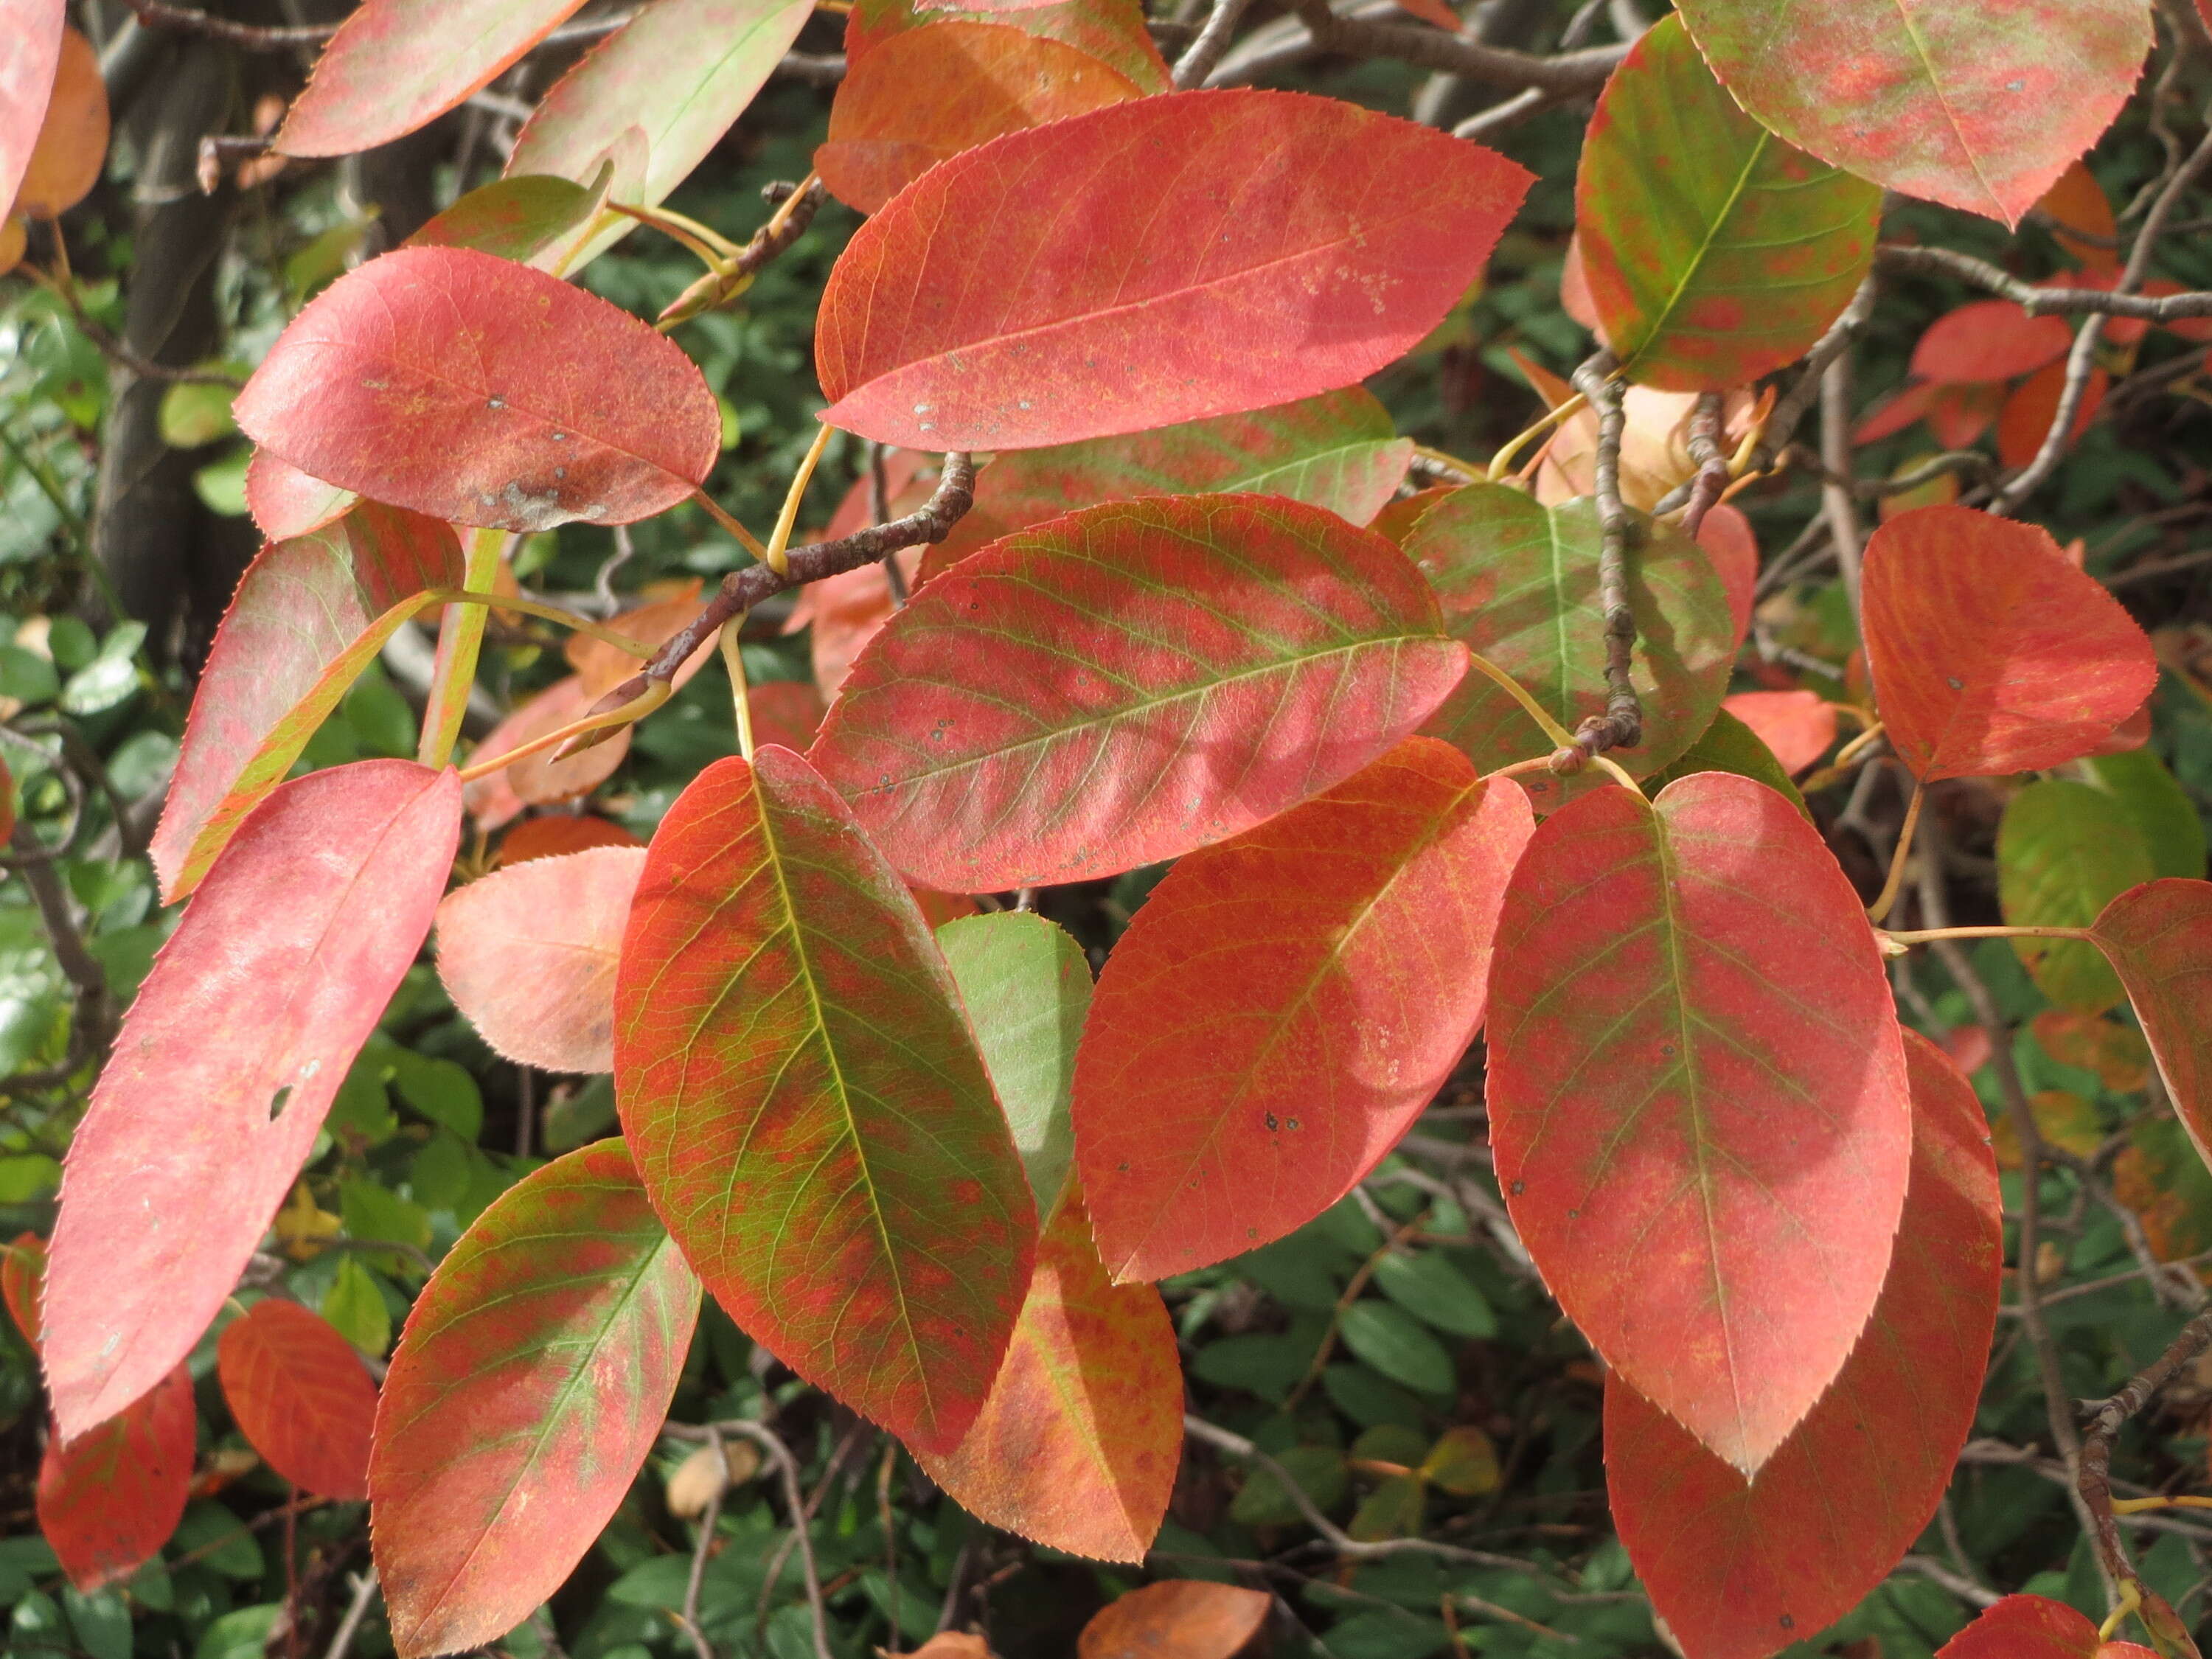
x: 1882, y: 906
x: 1502, y: 462
x: 656, y: 693
x: 460, y: 639
x: 745, y: 538
x: 1551, y: 728
x: 741, y: 693
x: 1930, y: 935
x: 716, y: 250
x: 773, y: 555
x: 538, y: 608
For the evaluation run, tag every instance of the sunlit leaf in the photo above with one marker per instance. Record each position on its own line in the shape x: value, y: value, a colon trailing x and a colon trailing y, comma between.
x: 809, y: 1111
x: 528, y: 217
x: 1026, y: 985
x: 680, y: 71
x: 1285, y: 1004
x: 1698, y: 1099
x: 1112, y: 31
x: 2064, y: 852
x: 2035, y: 1627
x: 1188, y: 666
x: 1519, y: 583
x: 1799, y: 726
x: 2159, y: 938
x: 1979, y: 106
x: 1077, y: 1445
x: 528, y: 953
x: 1338, y: 451
x: 309, y: 615
x: 227, y: 1063
x: 1281, y: 258
x: 484, y: 392
x: 1714, y: 250
x: 1738, y: 1567
x: 927, y: 94
x: 1989, y: 652
x: 33, y: 30
x: 395, y: 65
x: 109, y: 1499
x: 300, y: 1395
x: 1176, y: 1619
x: 2154, y: 802
x: 286, y: 502
x: 1989, y: 340
x: 66, y: 161
x: 531, y: 1382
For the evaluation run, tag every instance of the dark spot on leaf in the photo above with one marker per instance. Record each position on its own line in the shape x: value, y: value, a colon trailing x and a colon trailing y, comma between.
x: 1788, y: 1623
x: 278, y: 1101
x: 1519, y: 1188
x: 1271, y: 1120
x: 1954, y: 682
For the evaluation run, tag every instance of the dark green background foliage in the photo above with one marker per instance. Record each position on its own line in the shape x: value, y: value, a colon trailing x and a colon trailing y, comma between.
x: 1448, y: 1327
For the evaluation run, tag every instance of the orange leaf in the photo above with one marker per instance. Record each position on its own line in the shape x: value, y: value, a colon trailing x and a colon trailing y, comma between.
x: 550, y: 837
x: 2159, y: 937
x: 109, y: 1499
x: 72, y: 147
x: 1987, y: 340
x: 2090, y: 1042
x: 300, y: 1395
x: 33, y: 29
x: 1797, y: 725
x: 2078, y: 203
x: 1176, y: 1618
x: 21, y: 1269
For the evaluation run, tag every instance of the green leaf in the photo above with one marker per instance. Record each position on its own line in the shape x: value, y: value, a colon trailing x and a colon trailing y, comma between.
x: 374, y: 1213
x: 1393, y: 1510
x: 194, y: 413
x: 1728, y: 745
x: 1715, y: 251
x: 2064, y: 851
x: 1426, y: 1285
x: 229, y: 1548
x: 1397, y: 1345
x: 27, y: 677
x: 1462, y: 1463
x: 1027, y: 986
x: 243, y: 1634
x: 356, y: 1306
x: 1319, y: 1471
x: 439, y: 1090
x: 2161, y: 810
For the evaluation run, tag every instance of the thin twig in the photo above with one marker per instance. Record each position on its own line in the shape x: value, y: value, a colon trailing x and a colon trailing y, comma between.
x: 1621, y: 726
x: 364, y: 1591
x: 794, y: 1500
x: 2092, y: 1475
x: 160, y: 15
x: 708, y: 1518
x: 1197, y: 63
x: 1838, y: 503
x: 1431, y: 48
x: 1712, y: 477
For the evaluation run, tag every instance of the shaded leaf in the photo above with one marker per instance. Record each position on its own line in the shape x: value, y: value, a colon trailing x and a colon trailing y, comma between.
x: 1280, y: 259
x: 2063, y: 1118
x: 1799, y: 726
x: 1338, y: 450
x: 602, y: 666
x: 2029, y: 410
x: 2161, y: 810
x: 34, y: 31
x: 1112, y: 31
x: 2030, y: 1627
x: 786, y: 712
x: 528, y: 954
x: 2159, y: 937
x: 1518, y: 583
x: 531, y: 1380
x: 809, y: 1111
x: 1961, y: 104
x: 22, y: 1269
x: 286, y: 502
x: 2064, y: 852
x: 1176, y: 1619
x: 1989, y: 652
x: 1988, y: 340
x: 1714, y: 250
x: 1463, y: 1463
x: 1188, y: 665
x: 356, y: 1308
x: 395, y: 65
x: 540, y: 780
x: 484, y: 392
x: 520, y: 217
x: 2116, y: 1053
x: 1738, y: 1568
x: 843, y: 612
x: 1727, y: 746
x: 309, y: 615
x: 66, y: 161
x: 1026, y: 985
x: 1698, y: 1099
x: 2077, y: 203
x: 1285, y: 1004
x: 1078, y: 1442
x: 1317, y: 1470
x: 927, y: 94
x: 1399, y: 1346
x: 558, y: 833
x: 300, y: 1396
x: 1427, y: 1286
x: 227, y: 1063
x: 108, y: 1499
x: 679, y: 72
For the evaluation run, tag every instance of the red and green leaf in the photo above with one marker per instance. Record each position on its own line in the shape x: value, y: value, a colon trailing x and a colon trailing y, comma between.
x: 1519, y: 584
x: 808, y: 1109
x: 531, y: 1380
x: 927, y: 94
x: 309, y: 615
x: 2064, y: 852
x: 1740, y: 1569
x: 300, y: 1395
x: 1980, y: 107
x: 528, y: 954
x: 1285, y: 1004
x: 1076, y: 1446
x: 483, y: 392
x: 226, y: 1064
x: 1188, y: 667
x: 1268, y: 252
x: 109, y: 1498
x: 1714, y: 250
x: 2159, y: 937
x: 395, y: 65
x: 1698, y: 1099
x: 1991, y: 653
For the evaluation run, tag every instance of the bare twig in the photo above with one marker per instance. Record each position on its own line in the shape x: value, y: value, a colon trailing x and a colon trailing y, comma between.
x: 1567, y: 73
x: 1712, y: 474
x: 1838, y: 504
x: 772, y: 1446
x: 1958, y: 1583
x: 708, y: 1519
x: 1197, y: 63
x: 160, y: 14
x: 2092, y: 1476
x: 364, y: 1591
x: 77, y: 962
x: 1621, y: 726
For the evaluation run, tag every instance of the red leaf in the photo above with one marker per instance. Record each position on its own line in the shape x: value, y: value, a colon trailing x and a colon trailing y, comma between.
x: 2159, y: 937
x: 1797, y: 725
x: 558, y: 833
x: 844, y: 612
x: 33, y: 29
x: 286, y: 502
x: 1732, y: 548
x: 301, y: 1397
x: 1433, y: 11
x: 1076, y: 1447
x: 484, y: 392
x: 1338, y: 451
x: 1698, y: 1099
x: 22, y: 1269
x: 2025, y: 1627
x: 1285, y: 1004
x: 531, y: 1380
x: 71, y: 149
x: 1894, y: 413
x: 227, y: 1063
x: 109, y: 1499
x: 309, y: 614
x: 1960, y: 415
x: 1280, y: 259
x: 2033, y: 404
x: 1176, y: 1619
x: 1740, y: 1568
x: 528, y: 954
x: 1112, y: 31
x: 603, y: 667
x: 2078, y: 203
x: 927, y: 94
x: 787, y: 712
x: 395, y: 65
x: 539, y: 780
x: 1960, y: 105
x: 679, y: 73
x: 1989, y: 340
x: 810, y: 1114
x: 1991, y: 653
x: 1188, y: 666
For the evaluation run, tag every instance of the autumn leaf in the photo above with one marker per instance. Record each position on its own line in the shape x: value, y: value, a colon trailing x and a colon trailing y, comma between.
x: 2159, y: 937
x: 1176, y: 1619
x: 2064, y: 852
x: 1115, y: 32
x: 34, y: 29
x: 71, y: 147
x: 300, y: 1395
x: 109, y: 1498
